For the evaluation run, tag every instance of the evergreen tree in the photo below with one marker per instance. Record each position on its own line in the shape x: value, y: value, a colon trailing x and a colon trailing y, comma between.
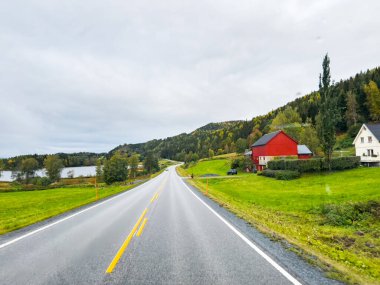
x: 328, y: 113
x: 351, y: 111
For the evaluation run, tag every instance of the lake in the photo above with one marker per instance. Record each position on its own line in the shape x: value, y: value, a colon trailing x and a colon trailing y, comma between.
x: 77, y: 171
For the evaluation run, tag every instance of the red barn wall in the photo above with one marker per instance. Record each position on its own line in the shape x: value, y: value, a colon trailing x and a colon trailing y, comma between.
x: 281, y: 145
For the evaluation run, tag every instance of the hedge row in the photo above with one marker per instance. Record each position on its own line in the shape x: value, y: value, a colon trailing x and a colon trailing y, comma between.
x: 281, y: 174
x: 314, y: 164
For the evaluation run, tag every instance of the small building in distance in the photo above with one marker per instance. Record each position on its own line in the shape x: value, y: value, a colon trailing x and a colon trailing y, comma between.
x: 304, y: 152
x: 277, y: 144
x: 367, y: 144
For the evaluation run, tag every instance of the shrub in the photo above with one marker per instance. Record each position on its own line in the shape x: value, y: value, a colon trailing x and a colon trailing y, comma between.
x: 281, y: 174
x: 314, y: 164
x: 268, y: 173
x: 286, y: 174
x: 350, y: 213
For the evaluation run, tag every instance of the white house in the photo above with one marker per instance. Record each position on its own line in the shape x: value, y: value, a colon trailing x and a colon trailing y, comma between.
x: 367, y: 144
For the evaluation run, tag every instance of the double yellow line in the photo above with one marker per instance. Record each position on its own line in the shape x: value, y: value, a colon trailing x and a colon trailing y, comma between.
x: 132, y: 233
x: 126, y: 243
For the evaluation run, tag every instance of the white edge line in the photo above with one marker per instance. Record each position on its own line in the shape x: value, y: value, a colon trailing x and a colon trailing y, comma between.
x: 247, y: 241
x: 68, y: 217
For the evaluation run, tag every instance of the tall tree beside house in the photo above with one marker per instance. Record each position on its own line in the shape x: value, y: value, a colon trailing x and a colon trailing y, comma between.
x: 53, y: 166
x: 352, y: 109
x: 328, y: 113
x: 28, y: 168
x: 115, y: 169
x: 373, y: 100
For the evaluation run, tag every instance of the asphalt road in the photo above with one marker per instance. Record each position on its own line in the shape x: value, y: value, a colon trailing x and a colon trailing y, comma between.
x: 161, y: 232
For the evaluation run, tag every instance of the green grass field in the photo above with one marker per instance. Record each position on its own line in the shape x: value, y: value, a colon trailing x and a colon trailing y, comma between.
x: 23, y: 208
x: 329, y: 215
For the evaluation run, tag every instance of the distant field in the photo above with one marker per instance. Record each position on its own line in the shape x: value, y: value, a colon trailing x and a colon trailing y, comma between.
x: 23, y: 208
x: 313, y: 213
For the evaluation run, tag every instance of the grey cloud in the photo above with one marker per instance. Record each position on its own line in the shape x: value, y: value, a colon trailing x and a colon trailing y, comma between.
x: 89, y: 75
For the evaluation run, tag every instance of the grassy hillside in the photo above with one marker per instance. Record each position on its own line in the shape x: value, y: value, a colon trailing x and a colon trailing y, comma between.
x: 337, y: 222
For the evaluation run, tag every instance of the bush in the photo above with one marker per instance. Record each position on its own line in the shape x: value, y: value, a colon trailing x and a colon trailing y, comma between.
x: 268, y: 173
x: 350, y: 213
x: 314, y: 164
x: 281, y: 174
x: 286, y: 174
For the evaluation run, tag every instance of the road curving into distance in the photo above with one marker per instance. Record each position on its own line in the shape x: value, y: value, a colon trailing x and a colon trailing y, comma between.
x: 161, y: 232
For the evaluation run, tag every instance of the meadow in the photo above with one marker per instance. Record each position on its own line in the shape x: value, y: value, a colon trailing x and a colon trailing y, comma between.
x: 332, y: 219
x: 22, y: 208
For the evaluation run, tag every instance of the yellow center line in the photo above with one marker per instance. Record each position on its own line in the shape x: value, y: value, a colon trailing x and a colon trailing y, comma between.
x: 154, y: 196
x: 125, y: 244
x: 139, y: 232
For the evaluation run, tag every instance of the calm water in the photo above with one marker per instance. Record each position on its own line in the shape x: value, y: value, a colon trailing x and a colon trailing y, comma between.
x: 77, y: 171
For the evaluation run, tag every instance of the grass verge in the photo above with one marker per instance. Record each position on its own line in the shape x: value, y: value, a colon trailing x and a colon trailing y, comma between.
x: 23, y: 208
x: 334, y: 217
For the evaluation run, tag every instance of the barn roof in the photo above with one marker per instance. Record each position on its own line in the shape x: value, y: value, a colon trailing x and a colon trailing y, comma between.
x: 375, y: 129
x: 303, y: 149
x: 266, y: 138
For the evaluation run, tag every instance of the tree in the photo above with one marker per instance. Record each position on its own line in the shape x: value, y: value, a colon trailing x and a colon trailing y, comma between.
x: 1, y: 166
x: 53, y: 166
x: 373, y: 100
x: 99, y: 170
x: 351, y: 111
x: 241, y: 145
x: 134, y: 164
x: 328, y: 113
x: 309, y: 137
x: 151, y: 163
x: 28, y: 168
x: 254, y: 136
x: 115, y: 169
x: 289, y: 121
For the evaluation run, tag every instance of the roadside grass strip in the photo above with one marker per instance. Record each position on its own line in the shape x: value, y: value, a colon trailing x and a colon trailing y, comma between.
x: 125, y: 244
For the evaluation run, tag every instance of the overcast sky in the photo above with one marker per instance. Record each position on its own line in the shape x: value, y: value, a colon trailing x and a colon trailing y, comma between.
x: 90, y: 75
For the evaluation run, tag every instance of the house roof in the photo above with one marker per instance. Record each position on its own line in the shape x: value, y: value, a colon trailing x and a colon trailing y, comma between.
x: 303, y: 149
x: 375, y: 129
x: 266, y: 138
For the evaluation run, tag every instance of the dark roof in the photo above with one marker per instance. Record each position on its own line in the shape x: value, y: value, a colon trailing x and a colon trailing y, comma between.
x: 266, y: 138
x: 375, y: 129
x: 303, y: 149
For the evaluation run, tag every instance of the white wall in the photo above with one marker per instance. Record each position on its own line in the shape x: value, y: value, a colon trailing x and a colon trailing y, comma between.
x: 363, y: 144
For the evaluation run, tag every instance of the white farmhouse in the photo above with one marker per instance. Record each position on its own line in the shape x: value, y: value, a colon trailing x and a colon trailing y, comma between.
x: 367, y: 144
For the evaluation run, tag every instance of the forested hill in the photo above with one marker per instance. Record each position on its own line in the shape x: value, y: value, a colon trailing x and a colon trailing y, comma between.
x: 358, y: 100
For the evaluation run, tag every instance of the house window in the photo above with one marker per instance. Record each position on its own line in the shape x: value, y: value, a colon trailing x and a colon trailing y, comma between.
x: 362, y: 140
x: 370, y: 139
x: 370, y: 152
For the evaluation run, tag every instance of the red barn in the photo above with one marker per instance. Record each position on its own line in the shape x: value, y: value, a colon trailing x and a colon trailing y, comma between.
x: 276, y: 144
